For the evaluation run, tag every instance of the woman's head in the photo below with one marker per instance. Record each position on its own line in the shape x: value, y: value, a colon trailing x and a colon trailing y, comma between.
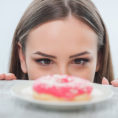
x: 61, y: 37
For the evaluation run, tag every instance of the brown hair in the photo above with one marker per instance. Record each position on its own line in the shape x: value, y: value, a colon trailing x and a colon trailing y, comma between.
x: 41, y: 11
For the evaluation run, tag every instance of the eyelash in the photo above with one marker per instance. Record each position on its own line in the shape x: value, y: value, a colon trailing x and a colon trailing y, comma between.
x: 78, y: 61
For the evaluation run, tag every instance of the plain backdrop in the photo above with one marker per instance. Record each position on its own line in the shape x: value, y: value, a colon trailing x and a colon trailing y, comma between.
x: 12, y: 10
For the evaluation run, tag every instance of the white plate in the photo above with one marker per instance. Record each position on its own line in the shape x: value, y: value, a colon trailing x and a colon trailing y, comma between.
x: 24, y: 92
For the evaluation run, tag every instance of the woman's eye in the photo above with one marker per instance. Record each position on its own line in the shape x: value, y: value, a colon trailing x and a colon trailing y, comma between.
x: 81, y: 61
x: 44, y: 61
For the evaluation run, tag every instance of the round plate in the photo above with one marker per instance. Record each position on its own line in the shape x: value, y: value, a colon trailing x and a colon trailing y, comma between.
x: 24, y: 92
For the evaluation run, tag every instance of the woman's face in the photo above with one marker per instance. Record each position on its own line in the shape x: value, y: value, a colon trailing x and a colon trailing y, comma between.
x: 66, y: 46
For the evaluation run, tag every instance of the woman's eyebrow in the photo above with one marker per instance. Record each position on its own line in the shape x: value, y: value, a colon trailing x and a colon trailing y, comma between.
x: 80, y: 54
x: 44, y: 54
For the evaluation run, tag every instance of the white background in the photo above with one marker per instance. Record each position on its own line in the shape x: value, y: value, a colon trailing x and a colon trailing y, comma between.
x: 12, y: 10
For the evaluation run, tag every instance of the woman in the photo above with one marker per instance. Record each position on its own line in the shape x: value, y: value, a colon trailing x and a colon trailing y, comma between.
x: 61, y: 37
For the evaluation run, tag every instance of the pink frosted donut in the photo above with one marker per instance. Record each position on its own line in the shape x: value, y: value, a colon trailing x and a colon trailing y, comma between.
x: 62, y: 88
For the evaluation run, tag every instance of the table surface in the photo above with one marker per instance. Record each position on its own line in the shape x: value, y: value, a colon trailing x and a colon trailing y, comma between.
x: 10, y: 107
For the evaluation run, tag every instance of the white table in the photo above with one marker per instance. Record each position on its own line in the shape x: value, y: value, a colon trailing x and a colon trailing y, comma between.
x: 11, y: 107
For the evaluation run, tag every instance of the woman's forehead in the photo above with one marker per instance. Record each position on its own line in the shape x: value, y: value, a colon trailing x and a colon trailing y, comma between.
x: 69, y: 33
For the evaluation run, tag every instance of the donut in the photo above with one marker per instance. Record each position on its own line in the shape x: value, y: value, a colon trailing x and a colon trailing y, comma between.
x: 61, y: 88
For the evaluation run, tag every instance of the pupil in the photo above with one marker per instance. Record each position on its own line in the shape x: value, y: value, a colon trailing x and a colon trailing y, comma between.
x: 78, y: 61
x: 47, y: 61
